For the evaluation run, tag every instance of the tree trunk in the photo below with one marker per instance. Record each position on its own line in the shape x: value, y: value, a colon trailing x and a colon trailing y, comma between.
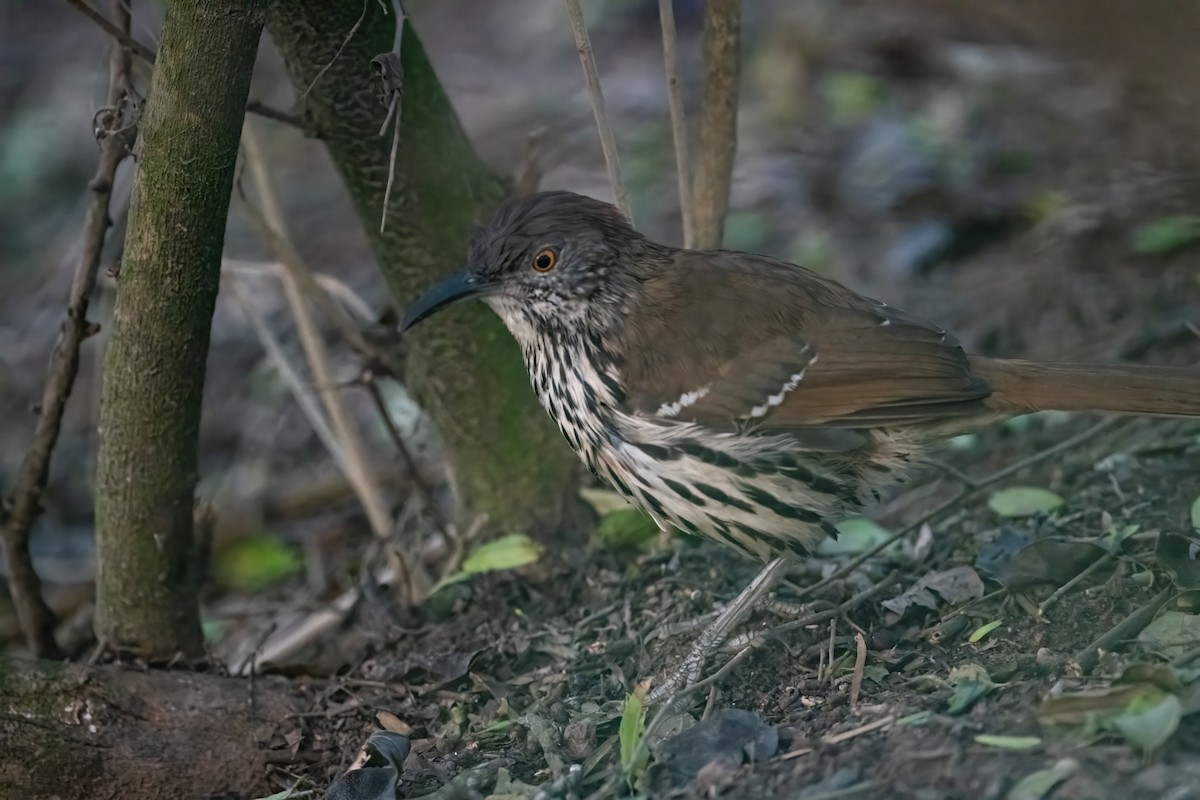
x: 74, y: 732
x: 464, y: 368
x: 167, y: 288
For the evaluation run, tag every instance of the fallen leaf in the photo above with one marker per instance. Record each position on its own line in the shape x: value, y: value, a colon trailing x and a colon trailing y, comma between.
x: 1171, y: 634
x: 984, y: 630
x: 603, y: 501
x: 729, y: 738
x: 1163, y: 676
x: 971, y: 682
x: 1008, y: 742
x: 1196, y: 514
x: 507, y: 552
x: 1051, y: 561
x: 256, y: 562
x: 1166, y: 235
x: 630, y: 733
x: 1037, y: 785
x: 1143, y: 714
x: 1024, y: 501
x: 855, y: 535
x: 1150, y: 720
x: 626, y: 528
x: 955, y: 585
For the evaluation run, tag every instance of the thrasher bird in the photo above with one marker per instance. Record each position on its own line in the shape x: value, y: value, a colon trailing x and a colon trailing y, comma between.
x: 740, y: 397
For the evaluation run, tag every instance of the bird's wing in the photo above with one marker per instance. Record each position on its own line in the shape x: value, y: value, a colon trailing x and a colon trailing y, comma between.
x: 733, y: 340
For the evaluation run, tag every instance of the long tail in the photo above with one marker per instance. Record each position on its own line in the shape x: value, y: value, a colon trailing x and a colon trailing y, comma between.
x: 1021, y: 387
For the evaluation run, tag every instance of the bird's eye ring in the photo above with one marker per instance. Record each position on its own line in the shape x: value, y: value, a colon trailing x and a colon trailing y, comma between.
x: 545, y: 260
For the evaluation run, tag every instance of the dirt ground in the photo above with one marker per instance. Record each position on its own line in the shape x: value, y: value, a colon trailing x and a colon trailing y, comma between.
x: 1032, y: 203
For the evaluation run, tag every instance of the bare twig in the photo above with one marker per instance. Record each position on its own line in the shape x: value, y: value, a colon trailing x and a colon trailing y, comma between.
x: 860, y: 662
x: 270, y: 112
x: 115, y: 29
x: 1125, y: 629
x: 679, y: 132
x: 334, y: 286
x: 305, y: 397
x: 837, y: 738
x: 116, y: 128
x: 391, y: 179
x: 832, y: 647
x: 148, y: 55
x: 528, y: 175
x: 294, y: 265
x: 353, y: 30
x: 391, y: 76
x: 975, y: 488
x: 1070, y: 585
x: 341, y: 421
x: 414, y: 471
x: 822, y: 616
x: 718, y: 120
x: 608, y: 141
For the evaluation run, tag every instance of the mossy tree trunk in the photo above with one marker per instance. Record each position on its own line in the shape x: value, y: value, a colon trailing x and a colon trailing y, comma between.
x: 167, y: 288
x: 465, y: 369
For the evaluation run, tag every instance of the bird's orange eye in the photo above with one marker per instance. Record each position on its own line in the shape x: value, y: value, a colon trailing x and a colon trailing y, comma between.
x: 545, y: 260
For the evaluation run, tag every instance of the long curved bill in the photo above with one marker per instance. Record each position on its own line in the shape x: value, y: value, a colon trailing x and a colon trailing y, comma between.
x: 462, y: 285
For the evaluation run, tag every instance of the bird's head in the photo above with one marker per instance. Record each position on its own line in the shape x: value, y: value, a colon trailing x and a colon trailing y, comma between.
x: 546, y: 261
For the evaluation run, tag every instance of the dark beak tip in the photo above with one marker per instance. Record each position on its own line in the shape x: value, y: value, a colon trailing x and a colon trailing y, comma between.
x: 460, y: 286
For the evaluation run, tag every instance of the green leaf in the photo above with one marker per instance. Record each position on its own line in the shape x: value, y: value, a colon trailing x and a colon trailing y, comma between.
x: 852, y: 96
x: 1166, y: 235
x: 984, y: 630
x: 507, y: 552
x: 603, y: 501
x: 1150, y: 720
x: 633, y: 728
x: 286, y: 794
x: 1037, y: 785
x: 256, y: 562
x: 1196, y: 514
x: 855, y: 535
x: 1024, y: 501
x: 1009, y: 742
x: 916, y: 718
x: 971, y: 682
x: 626, y: 528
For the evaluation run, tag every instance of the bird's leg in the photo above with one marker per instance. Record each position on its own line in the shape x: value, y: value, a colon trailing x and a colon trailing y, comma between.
x: 712, y: 637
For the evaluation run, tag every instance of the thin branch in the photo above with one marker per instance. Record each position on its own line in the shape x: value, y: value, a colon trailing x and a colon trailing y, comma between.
x: 116, y: 128
x: 414, y: 471
x: 357, y: 470
x: 679, y: 132
x: 953, y: 502
x: 608, y: 141
x: 391, y: 178
x: 335, y: 287
x: 718, y: 120
x: 305, y: 397
x: 1127, y: 628
x: 115, y: 30
x: 391, y: 78
x: 270, y: 112
x: 353, y: 30
x: 528, y: 174
x: 148, y: 55
x: 295, y: 266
